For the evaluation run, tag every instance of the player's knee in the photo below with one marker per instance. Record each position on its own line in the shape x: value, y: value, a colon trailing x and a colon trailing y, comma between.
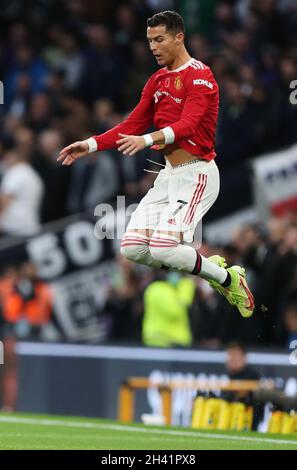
x: 133, y: 253
x: 162, y: 252
x: 134, y: 248
x: 162, y: 255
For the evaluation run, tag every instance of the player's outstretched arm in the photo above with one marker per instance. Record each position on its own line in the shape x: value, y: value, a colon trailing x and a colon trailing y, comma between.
x: 131, y: 144
x: 73, y: 152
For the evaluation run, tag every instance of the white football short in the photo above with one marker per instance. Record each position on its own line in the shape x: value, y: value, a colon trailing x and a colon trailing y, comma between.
x: 179, y: 199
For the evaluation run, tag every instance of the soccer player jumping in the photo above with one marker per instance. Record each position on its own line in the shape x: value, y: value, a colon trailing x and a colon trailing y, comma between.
x: 181, y: 100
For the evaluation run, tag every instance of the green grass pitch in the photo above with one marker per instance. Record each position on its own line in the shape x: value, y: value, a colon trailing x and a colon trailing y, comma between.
x: 24, y: 431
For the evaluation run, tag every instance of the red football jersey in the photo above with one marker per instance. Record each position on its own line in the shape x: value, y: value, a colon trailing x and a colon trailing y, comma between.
x: 185, y: 99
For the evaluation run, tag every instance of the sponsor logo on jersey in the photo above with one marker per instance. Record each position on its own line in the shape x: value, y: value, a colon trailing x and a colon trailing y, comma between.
x: 200, y: 81
x: 178, y: 82
x: 159, y: 93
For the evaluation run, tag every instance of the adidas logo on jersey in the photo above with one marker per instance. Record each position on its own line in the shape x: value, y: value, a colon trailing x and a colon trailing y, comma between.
x: 200, y: 81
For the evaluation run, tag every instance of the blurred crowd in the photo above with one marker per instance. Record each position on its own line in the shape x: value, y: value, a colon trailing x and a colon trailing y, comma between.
x: 74, y: 68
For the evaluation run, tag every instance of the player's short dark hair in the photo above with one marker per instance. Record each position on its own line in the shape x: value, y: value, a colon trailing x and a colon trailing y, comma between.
x: 237, y: 345
x: 291, y: 307
x: 170, y: 19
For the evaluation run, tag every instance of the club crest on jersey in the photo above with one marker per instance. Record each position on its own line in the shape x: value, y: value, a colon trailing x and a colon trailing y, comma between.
x: 178, y: 83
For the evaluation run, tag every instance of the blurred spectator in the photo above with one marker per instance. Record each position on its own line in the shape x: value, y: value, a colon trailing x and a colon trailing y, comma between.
x: 104, y: 115
x: 199, y: 47
x: 26, y: 303
x: 236, y: 363
x: 140, y: 68
x: 103, y: 73
x: 26, y: 306
x: 238, y: 369
x: 93, y: 181
x: 24, y: 142
x: 56, y: 180
x: 126, y: 28
x: 24, y: 62
x: 225, y: 22
x: 67, y: 58
x: 21, y: 193
x: 166, y: 320
x: 237, y: 119
x: 40, y: 112
x: 124, y: 305
x: 287, y: 267
x: 19, y: 103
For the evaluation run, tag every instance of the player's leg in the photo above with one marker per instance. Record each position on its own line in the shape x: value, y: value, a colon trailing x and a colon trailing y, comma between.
x: 237, y: 291
x: 192, y: 190
x: 144, y: 220
x: 189, y: 201
x: 168, y: 249
x: 135, y: 247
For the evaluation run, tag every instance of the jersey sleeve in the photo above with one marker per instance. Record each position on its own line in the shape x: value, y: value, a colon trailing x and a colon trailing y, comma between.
x: 201, y: 91
x: 140, y: 119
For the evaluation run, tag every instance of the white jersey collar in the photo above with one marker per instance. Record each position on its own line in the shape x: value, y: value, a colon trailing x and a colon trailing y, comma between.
x: 182, y: 67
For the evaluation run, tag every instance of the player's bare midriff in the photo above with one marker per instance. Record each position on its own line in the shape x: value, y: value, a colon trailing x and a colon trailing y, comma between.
x: 176, y: 156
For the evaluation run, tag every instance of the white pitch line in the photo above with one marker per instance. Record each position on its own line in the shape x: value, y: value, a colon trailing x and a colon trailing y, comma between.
x: 119, y: 427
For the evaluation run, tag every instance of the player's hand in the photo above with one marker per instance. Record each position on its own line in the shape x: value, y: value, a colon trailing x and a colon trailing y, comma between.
x: 73, y: 152
x: 130, y: 144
